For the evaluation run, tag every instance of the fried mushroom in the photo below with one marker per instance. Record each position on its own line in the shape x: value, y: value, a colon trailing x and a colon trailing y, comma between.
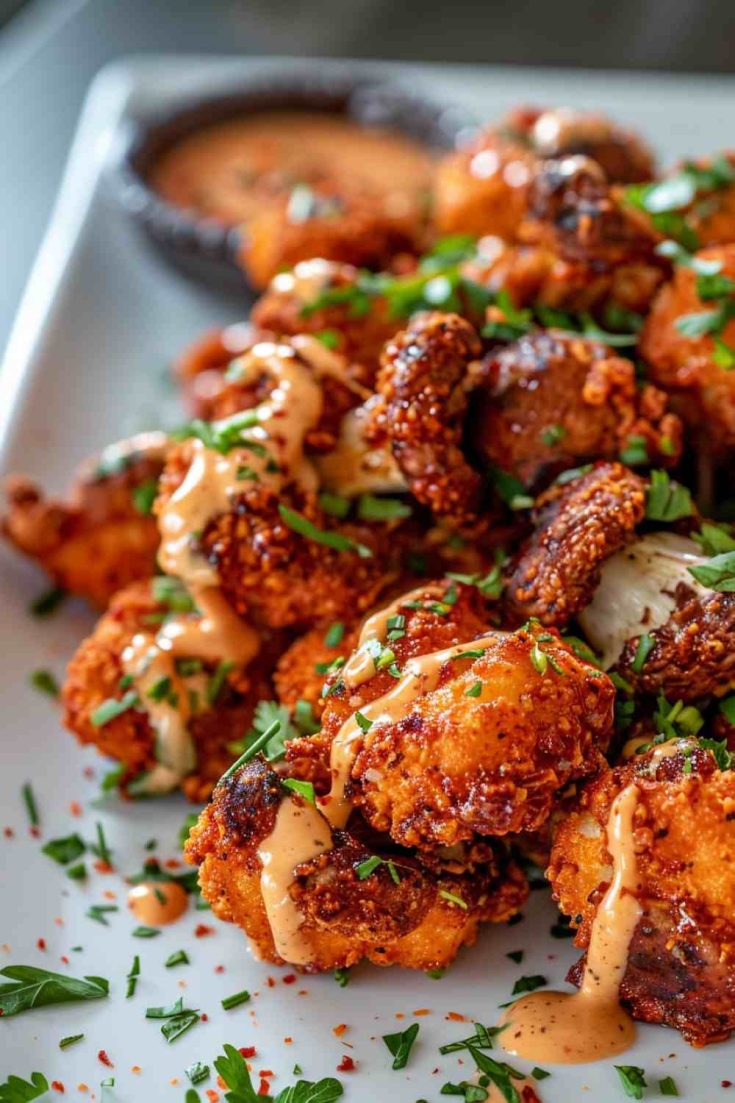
x: 680, y: 969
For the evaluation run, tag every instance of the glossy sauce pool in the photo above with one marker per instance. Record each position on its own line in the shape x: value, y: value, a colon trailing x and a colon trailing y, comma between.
x: 228, y: 170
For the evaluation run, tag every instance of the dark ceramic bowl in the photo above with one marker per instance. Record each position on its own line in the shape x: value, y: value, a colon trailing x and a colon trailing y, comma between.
x: 207, y: 249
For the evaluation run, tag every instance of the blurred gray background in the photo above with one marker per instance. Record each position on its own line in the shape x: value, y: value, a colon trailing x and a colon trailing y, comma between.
x: 51, y: 49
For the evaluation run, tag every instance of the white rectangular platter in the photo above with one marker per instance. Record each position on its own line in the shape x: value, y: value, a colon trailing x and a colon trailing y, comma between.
x: 101, y: 320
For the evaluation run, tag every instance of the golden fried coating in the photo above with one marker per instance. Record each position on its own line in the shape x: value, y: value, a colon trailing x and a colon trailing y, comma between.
x: 552, y: 400
x: 693, y: 652
x: 201, y: 367
x: 321, y: 297
x: 275, y: 574
x: 463, y: 762
x: 421, y: 411
x: 94, y: 676
x: 103, y: 537
x: 578, y: 526
x: 355, y: 229
x: 696, y: 369
x: 701, y: 202
x: 299, y: 673
x: 681, y: 966
x: 404, y: 915
x: 484, y: 187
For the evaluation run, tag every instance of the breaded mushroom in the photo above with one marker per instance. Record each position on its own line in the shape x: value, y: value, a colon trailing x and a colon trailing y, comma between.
x: 579, y: 525
x: 104, y: 536
x: 317, y: 911
x: 484, y: 187
x: 356, y: 229
x: 688, y: 342
x: 324, y: 298
x: 680, y: 969
x: 103, y: 707
x: 420, y: 412
x: 551, y: 400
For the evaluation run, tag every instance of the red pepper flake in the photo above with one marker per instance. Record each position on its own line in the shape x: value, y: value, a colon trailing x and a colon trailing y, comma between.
x: 174, y: 1080
x: 65, y: 959
x: 172, y: 863
x: 35, y: 832
x: 212, y: 1095
x: 725, y: 1083
x: 102, y: 866
x: 455, y: 1017
x: 339, y: 1030
x: 109, y: 894
x: 303, y: 992
x: 8, y: 833
x: 75, y: 808
x: 288, y: 1041
x: 102, y: 1055
x: 400, y: 1015
x: 59, y: 921
x: 422, y: 1011
x: 204, y: 1017
x: 136, y: 1069
x: 265, y: 1088
x: 266, y: 1073
x: 202, y: 930
x: 41, y: 943
x: 290, y: 978
x: 57, y: 1086
x: 270, y: 982
x: 346, y: 1064
x: 82, y: 1088
x: 247, y: 1051
x: 219, y: 968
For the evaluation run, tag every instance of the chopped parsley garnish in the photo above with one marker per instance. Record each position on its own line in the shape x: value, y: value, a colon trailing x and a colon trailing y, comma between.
x: 132, y: 978
x: 401, y: 1044
x: 145, y: 932
x: 178, y: 1019
x: 48, y: 602
x: 144, y: 496
x: 197, y: 1072
x: 396, y: 628
x: 676, y: 721
x: 221, y: 436
x: 473, y: 653
x: 235, y: 1000
x: 258, y: 745
x: 475, y: 690
x: 30, y: 802
x: 268, y: 714
x: 499, y: 1073
x: 70, y: 1040
x: 304, y: 719
x: 114, y: 707
x: 170, y: 592
x: 645, y: 645
x: 371, y: 508
x: 434, y: 974
x: 65, y: 849
x: 334, y: 634
x: 635, y: 452
x: 217, y: 681
x: 490, y: 585
x: 632, y: 1079
x: 330, y: 338
x: 714, y: 539
x: 481, y: 1039
x: 507, y: 321
x: 667, y: 1086
x: 452, y: 898
x: 510, y: 489
x: 540, y: 1074
x: 717, y: 573
x: 17, y: 1090
x: 336, y: 540
x: 334, y: 504
x: 553, y: 435
x: 667, y: 500
x: 362, y: 722
x: 178, y: 957
x: 516, y: 956
x: 76, y: 872
x: 304, y: 789
x: 99, y: 911
x: 186, y: 827
x: 528, y: 984
x: 561, y: 928
x: 369, y: 866
x: 727, y: 708
x: 234, y: 1072
x: 45, y: 682
x: 342, y: 977
x: 28, y: 988
x: 100, y: 847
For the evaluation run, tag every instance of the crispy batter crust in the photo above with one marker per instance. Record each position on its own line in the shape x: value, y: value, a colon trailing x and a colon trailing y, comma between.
x: 359, y: 333
x: 364, y: 235
x: 421, y: 411
x: 96, y: 542
x: 681, y: 966
x: 693, y: 655
x: 405, y: 922
x: 552, y: 400
x: 687, y: 366
x: 578, y: 526
x: 94, y: 675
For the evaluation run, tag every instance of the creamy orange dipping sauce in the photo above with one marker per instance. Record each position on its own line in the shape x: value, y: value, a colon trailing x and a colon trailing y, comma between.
x: 227, y: 171
x: 157, y: 903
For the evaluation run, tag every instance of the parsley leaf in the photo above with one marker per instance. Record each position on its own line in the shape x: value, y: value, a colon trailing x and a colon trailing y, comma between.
x: 717, y: 573
x: 400, y: 1045
x: 633, y: 1080
x: 16, y: 1090
x: 667, y: 500
x: 330, y: 539
x: 29, y: 987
